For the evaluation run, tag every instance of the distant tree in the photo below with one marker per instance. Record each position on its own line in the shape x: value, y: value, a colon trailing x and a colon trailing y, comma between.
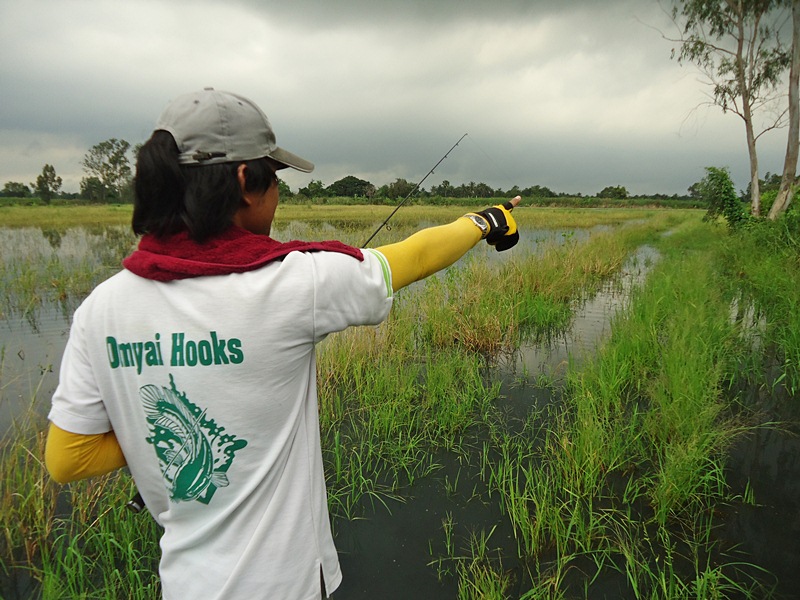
x: 538, y: 191
x: 770, y: 182
x: 284, y: 191
x: 314, y: 189
x: 482, y: 190
x: 718, y: 191
x: 466, y: 190
x: 93, y: 190
x: 739, y: 46
x: 14, y: 189
x: 47, y: 184
x: 351, y: 186
x: 444, y: 189
x: 695, y: 191
x: 400, y: 188
x: 108, y: 163
x: 615, y: 191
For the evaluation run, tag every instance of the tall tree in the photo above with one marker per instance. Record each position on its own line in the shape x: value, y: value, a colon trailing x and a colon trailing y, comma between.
x: 738, y: 45
x: 786, y: 191
x: 108, y: 163
x: 47, y: 184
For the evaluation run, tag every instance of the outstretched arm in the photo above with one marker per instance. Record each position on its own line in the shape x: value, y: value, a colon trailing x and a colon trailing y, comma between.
x: 72, y: 456
x: 435, y: 248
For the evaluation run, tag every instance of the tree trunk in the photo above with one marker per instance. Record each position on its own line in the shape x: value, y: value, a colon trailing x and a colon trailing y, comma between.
x: 747, y: 115
x: 785, y: 192
x: 755, y: 191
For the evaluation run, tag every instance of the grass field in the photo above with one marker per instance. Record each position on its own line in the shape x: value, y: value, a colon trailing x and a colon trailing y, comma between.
x: 619, y: 481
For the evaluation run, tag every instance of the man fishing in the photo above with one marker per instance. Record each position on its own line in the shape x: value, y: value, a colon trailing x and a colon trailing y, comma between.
x: 195, y: 364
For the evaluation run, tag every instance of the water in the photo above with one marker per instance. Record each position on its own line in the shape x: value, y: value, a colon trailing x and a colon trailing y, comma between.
x: 764, y: 467
x: 591, y: 323
x: 32, y: 338
x: 31, y: 355
x: 394, y: 553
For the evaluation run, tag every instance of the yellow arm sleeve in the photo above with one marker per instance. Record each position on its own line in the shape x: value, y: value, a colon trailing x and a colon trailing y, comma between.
x: 71, y: 456
x: 429, y: 251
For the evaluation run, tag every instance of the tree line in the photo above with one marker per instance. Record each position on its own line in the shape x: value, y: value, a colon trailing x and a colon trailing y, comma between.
x: 109, y: 179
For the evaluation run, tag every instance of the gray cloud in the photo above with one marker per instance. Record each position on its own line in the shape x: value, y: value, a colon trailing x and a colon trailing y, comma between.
x: 572, y: 95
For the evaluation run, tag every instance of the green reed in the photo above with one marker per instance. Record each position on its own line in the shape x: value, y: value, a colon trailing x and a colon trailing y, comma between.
x: 491, y: 305
x: 384, y: 405
x: 77, y: 541
x: 632, y: 466
x: 391, y: 394
x: 766, y: 273
x: 620, y: 478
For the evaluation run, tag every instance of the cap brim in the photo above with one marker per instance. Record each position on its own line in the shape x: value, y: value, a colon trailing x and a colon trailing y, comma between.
x: 289, y: 159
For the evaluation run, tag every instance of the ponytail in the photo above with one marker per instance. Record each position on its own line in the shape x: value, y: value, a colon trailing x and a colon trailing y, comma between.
x: 159, y: 187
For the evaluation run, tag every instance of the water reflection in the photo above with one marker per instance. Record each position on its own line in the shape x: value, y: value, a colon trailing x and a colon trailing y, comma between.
x: 29, y: 365
x: 592, y: 320
x: 764, y: 471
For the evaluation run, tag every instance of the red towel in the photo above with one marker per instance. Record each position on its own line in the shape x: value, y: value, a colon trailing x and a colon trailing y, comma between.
x: 234, y: 251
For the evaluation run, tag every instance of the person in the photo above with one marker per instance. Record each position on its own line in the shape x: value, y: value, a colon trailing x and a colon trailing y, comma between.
x: 195, y: 364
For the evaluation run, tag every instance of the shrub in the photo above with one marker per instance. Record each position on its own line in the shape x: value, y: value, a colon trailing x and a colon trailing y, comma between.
x: 717, y: 190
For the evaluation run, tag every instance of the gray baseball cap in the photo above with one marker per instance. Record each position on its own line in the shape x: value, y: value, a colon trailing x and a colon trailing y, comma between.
x: 212, y: 127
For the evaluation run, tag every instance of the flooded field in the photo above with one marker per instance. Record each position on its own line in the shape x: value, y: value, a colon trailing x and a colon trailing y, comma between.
x: 578, y: 418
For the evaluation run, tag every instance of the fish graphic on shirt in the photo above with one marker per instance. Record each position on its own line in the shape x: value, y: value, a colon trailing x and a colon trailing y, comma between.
x: 193, y: 452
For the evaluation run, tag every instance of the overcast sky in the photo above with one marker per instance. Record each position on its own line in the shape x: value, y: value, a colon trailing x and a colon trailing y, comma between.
x: 572, y: 95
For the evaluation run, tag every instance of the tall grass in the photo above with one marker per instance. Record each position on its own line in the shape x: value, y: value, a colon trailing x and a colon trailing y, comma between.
x: 763, y: 266
x: 615, y: 485
x: 75, y: 542
x: 632, y: 469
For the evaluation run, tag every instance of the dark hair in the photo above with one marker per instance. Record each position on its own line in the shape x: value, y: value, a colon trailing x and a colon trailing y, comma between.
x: 170, y: 197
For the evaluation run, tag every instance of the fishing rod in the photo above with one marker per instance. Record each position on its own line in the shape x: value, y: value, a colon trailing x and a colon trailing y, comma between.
x: 412, y: 192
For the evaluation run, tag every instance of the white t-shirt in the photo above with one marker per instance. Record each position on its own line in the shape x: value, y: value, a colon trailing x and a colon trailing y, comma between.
x: 210, y: 386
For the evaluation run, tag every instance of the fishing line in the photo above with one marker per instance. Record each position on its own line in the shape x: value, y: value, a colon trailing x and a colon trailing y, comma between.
x: 412, y: 192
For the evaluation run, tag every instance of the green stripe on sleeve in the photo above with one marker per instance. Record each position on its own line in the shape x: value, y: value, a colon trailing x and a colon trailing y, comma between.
x: 387, y: 272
